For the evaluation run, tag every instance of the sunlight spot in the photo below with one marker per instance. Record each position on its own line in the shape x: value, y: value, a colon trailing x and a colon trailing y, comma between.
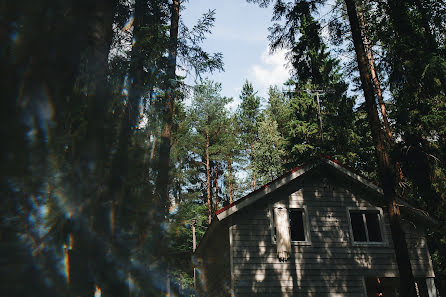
x: 131, y: 282
x: 260, y: 276
x: 97, y: 292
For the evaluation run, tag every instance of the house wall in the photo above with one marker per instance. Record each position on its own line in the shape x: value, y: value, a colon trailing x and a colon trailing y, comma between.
x: 214, y: 272
x: 331, y: 265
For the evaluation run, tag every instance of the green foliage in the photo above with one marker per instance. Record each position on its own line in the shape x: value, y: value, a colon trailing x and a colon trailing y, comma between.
x: 180, y: 234
x: 248, y: 113
x: 209, y: 115
x: 268, y: 151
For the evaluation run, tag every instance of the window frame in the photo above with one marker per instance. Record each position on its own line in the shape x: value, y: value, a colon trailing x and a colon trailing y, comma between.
x: 364, y: 211
x: 305, y: 219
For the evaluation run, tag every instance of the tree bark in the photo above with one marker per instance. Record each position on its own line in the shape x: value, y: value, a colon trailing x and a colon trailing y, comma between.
x: 208, y: 175
x: 230, y: 186
x: 254, y: 185
x: 136, y: 72
x: 130, y: 117
x: 216, y: 185
x: 387, y: 169
x: 375, y: 78
x: 161, y: 199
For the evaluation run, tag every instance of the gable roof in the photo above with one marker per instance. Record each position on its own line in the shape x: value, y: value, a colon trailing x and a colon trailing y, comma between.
x: 229, y: 210
x: 287, y: 178
x: 297, y: 172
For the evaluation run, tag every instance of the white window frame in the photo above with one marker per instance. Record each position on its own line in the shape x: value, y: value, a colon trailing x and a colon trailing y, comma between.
x: 365, y: 210
x: 305, y: 218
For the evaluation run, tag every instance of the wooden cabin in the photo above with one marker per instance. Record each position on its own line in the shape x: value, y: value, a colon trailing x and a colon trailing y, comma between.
x: 320, y: 230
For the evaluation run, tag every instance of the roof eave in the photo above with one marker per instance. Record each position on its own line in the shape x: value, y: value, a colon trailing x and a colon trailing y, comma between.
x: 265, y: 190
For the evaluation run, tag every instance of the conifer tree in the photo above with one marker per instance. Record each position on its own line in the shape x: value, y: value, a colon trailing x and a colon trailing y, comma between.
x: 248, y: 115
x: 386, y: 166
x: 268, y: 151
x: 210, y: 116
x: 320, y: 114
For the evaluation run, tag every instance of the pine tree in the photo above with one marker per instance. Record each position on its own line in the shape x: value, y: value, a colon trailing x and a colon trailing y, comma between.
x: 268, y: 151
x: 387, y: 168
x: 210, y: 116
x: 320, y: 114
x: 231, y: 152
x: 248, y: 115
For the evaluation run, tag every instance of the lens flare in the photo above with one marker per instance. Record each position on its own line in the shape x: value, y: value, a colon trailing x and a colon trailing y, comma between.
x: 129, y: 24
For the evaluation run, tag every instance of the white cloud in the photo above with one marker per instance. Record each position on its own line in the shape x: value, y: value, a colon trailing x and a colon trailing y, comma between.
x: 271, y: 71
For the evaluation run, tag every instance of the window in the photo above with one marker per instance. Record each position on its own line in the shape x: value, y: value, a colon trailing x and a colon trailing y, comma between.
x: 366, y: 225
x: 297, y: 229
x: 297, y: 225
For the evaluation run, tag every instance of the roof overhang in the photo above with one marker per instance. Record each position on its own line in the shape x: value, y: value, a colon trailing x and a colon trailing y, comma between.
x: 261, y: 192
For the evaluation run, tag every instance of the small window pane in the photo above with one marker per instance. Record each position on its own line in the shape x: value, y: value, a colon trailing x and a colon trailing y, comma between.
x: 373, y: 227
x: 358, y: 226
x: 297, y: 225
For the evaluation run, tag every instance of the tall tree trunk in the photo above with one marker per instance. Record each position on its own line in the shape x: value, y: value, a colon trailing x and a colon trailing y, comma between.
x: 388, y: 175
x: 230, y: 186
x: 216, y: 185
x: 254, y: 186
x: 162, y: 181
x: 136, y: 64
x: 130, y: 115
x: 92, y: 88
x: 208, y: 174
x: 152, y: 153
x: 375, y: 78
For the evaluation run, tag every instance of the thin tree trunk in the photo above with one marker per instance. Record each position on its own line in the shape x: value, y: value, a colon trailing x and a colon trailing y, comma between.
x: 216, y: 185
x: 152, y: 153
x: 254, y: 186
x: 208, y: 175
x: 147, y: 147
x: 79, y: 279
x: 161, y: 198
x: 136, y: 65
x: 230, y: 186
x: 375, y: 78
x: 388, y: 175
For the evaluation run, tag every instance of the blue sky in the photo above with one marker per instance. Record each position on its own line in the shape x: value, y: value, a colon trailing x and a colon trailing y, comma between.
x: 240, y: 33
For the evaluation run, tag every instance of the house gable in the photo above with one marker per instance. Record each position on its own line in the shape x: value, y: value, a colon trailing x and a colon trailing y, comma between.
x: 323, y: 169
x: 294, y: 175
x: 328, y: 261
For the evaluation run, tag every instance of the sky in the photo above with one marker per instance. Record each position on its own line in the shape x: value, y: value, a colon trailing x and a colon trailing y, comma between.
x: 240, y: 34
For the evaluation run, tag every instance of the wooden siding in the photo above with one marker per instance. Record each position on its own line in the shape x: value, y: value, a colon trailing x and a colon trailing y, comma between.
x: 331, y: 265
x: 214, y: 271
